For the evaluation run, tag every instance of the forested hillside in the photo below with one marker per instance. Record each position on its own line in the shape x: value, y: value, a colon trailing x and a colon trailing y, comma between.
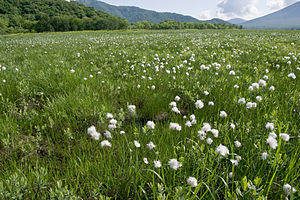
x: 136, y: 14
x: 54, y: 15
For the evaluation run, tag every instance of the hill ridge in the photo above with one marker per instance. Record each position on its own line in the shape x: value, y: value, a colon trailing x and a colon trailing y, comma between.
x: 136, y: 14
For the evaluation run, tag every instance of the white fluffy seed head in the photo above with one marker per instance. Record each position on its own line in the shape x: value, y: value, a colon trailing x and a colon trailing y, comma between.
x: 188, y: 124
x: 199, y: 104
x: 105, y: 143
x: 255, y: 85
x: 113, y: 121
x: 206, y: 127
x: 273, y: 134
x: 136, y: 144
x: 177, y: 98
x: 242, y: 101
x: 157, y: 163
x: 176, y: 110
x: 202, y: 135
x: 91, y: 130
x: 284, y: 136
x: 173, y: 104
x: 131, y: 109
x: 234, y: 162
x: 272, y: 142
x: 264, y: 155
x: 251, y: 105
x: 262, y: 83
x: 122, y: 132
x: 223, y: 150
x: 146, y: 161
x: 209, y: 141
x: 175, y: 126
x: 232, y: 125
x: 112, y: 126
x: 93, y: 133
x: 237, y: 144
x: 107, y: 134
x: 292, y: 75
x: 215, y: 132
x: 192, y: 117
x: 150, y: 145
x: 150, y: 125
x: 174, y: 164
x: 223, y: 114
x: 287, y: 188
x: 270, y: 126
x: 192, y: 181
x: 259, y: 98
x: 109, y: 116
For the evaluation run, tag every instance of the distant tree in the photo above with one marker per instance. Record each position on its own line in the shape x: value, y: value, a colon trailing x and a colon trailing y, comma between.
x: 44, y: 25
x: 147, y: 24
x: 3, y: 26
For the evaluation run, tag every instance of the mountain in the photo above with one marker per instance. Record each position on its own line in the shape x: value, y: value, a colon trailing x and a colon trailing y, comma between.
x: 135, y: 14
x: 216, y: 21
x: 53, y: 15
x: 236, y: 21
x: 286, y: 18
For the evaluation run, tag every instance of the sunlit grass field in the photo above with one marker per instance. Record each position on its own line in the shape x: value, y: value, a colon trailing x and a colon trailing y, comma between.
x: 150, y: 115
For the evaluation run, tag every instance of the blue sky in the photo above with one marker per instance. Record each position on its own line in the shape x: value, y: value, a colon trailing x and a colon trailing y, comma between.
x: 207, y: 9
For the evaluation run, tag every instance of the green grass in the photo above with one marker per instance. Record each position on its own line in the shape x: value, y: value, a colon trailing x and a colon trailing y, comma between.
x: 45, y: 111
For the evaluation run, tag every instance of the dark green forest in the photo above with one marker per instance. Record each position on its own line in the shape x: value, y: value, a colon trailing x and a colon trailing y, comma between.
x: 23, y: 16
x: 54, y: 15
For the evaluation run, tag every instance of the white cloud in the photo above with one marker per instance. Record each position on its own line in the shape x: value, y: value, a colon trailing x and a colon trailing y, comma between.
x: 246, y: 9
x: 278, y: 4
x: 238, y: 8
x: 205, y: 15
x: 275, y: 4
x: 289, y: 2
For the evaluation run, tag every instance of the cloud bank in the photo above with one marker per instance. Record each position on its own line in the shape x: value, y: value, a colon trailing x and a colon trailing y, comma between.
x: 278, y: 4
x: 247, y: 8
x: 238, y: 8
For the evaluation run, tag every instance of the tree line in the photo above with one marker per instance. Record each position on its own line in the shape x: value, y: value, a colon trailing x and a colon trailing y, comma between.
x: 69, y: 23
x: 171, y: 24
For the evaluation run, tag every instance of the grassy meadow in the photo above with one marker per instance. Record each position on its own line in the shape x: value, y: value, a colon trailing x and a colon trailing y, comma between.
x: 211, y: 114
